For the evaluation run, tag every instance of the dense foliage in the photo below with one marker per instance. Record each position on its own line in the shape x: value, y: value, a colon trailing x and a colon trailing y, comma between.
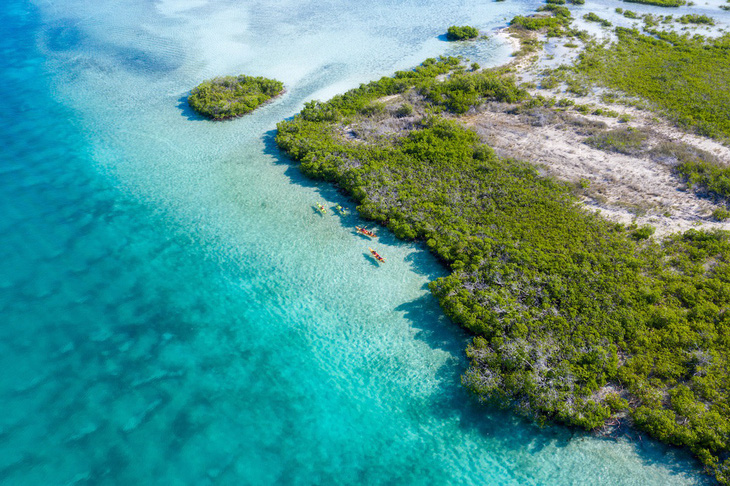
x: 232, y: 96
x: 660, y: 3
x: 696, y: 19
x: 555, y: 19
x: 575, y: 319
x: 591, y: 17
x: 708, y: 176
x: 464, y: 32
x: 687, y: 77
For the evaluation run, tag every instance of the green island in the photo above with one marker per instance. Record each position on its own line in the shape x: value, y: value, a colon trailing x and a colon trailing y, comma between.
x: 660, y: 3
x: 575, y: 318
x: 229, y: 97
x: 464, y: 32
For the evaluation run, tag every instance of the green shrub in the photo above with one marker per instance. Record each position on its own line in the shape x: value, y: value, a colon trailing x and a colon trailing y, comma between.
x: 373, y: 109
x: 660, y: 3
x: 616, y: 403
x: 707, y: 176
x: 555, y: 24
x: 622, y: 140
x: 549, y: 82
x: 404, y: 110
x: 591, y: 17
x: 721, y: 214
x: 696, y: 19
x: 464, y: 32
x: 643, y: 233
x: 565, y: 102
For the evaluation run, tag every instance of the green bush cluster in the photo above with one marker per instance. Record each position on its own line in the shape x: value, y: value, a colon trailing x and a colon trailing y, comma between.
x: 721, y: 214
x: 707, y: 176
x: 687, y: 77
x: 460, y: 92
x: 464, y: 32
x: 575, y: 319
x: 555, y: 23
x: 696, y: 19
x: 591, y: 17
x: 404, y: 110
x: 622, y: 140
x: 231, y: 96
x: 660, y: 3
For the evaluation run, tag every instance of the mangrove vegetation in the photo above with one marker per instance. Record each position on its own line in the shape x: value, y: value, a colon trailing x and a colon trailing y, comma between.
x: 232, y: 96
x: 464, y: 32
x: 687, y: 77
x: 575, y: 319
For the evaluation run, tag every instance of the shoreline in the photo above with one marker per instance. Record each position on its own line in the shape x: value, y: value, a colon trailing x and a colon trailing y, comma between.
x: 467, y: 161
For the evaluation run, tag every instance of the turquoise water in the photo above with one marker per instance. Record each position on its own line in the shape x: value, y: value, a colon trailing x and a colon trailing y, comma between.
x: 173, y: 309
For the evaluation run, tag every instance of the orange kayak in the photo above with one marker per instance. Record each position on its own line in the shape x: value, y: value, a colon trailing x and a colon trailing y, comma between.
x: 365, y: 232
x: 377, y: 255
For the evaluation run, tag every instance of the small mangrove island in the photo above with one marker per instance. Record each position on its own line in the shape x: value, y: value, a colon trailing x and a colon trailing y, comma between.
x: 227, y: 97
x: 464, y: 32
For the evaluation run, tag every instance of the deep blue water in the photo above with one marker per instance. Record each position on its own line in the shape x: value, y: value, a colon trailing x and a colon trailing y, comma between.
x: 172, y: 310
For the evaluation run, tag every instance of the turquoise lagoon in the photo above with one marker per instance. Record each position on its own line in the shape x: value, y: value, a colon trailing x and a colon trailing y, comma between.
x: 173, y: 310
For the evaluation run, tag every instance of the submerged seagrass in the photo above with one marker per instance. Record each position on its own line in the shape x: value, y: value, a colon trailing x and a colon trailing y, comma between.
x: 575, y: 319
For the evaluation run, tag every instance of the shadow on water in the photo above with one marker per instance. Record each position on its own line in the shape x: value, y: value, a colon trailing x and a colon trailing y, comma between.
x: 186, y: 111
x: 423, y: 262
x: 366, y: 255
x: 502, y: 426
x: 434, y: 327
x: 292, y: 169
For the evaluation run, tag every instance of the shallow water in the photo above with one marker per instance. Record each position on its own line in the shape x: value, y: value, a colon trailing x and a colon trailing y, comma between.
x: 173, y: 309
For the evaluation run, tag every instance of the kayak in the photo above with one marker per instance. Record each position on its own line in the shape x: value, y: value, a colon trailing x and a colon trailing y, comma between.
x: 341, y: 210
x: 321, y: 208
x: 377, y: 255
x: 365, y: 232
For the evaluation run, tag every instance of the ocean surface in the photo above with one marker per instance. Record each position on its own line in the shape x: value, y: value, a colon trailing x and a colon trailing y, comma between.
x: 173, y: 310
